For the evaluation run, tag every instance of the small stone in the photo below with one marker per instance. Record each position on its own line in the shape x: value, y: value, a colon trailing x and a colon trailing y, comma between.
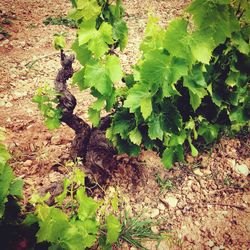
x: 178, y: 213
x: 161, y: 206
x: 155, y: 212
x: 216, y: 248
x: 155, y: 229
x: 241, y: 169
x: 198, y: 172
x: 207, y: 172
x: 210, y: 243
x: 2, y: 37
x: 27, y: 163
x: 171, y: 201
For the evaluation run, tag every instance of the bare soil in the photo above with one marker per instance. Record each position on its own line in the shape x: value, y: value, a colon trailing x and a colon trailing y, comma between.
x: 202, y: 204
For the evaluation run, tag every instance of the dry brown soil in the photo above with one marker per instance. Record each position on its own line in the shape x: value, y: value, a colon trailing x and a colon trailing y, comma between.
x: 204, y: 204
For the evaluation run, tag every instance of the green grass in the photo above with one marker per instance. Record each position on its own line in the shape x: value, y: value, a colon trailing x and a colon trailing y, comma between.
x: 135, y: 230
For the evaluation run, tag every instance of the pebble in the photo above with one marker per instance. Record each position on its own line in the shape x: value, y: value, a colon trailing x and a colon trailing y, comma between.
x: 242, y: 169
x: 171, y: 201
x: 198, y: 172
x: 210, y: 243
x: 155, y: 229
x: 155, y: 212
x: 27, y: 163
x: 216, y: 248
x: 161, y: 206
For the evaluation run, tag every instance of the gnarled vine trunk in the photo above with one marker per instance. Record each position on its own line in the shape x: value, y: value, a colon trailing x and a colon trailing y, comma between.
x: 89, y: 143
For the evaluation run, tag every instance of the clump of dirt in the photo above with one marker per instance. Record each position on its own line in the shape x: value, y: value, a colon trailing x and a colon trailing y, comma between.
x: 202, y: 204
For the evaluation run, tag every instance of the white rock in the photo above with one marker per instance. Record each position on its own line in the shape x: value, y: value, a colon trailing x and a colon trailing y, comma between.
x: 210, y: 243
x: 27, y: 163
x: 161, y: 206
x: 171, y: 201
x: 155, y: 229
x: 241, y: 169
x: 155, y: 212
x: 198, y: 172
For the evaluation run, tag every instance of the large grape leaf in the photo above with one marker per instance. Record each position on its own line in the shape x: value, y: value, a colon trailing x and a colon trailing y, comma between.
x: 96, y: 76
x: 159, y: 69
x: 120, y: 33
x: 100, y: 40
x: 135, y: 136
x: 52, y: 224
x: 113, y: 67
x: 88, y: 206
x: 83, y: 54
x: 153, y: 37
x: 154, y: 127
x: 86, y: 31
x: 85, y: 9
x: 216, y: 17
x: 177, y: 40
x: 136, y: 94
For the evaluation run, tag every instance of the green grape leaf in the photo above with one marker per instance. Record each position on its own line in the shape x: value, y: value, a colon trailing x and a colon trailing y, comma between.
x: 96, y: 76
x: 154, y: 68
x: 216, y: 17
x: 202, y: 45
x: 154, y: 34
x: 86, y: 31
x: 208, y: 131
x: 136, y: 93
x: 171, y: 120
x: 94, y: 116
x: 177, y: 32
x: 240, y: 43
x: 16, y: 188
x: 113, y: 67
x: 113, y: 229
x: 120, y: 33
x: 59, y: 42
x: 98, y: 44
x: 52, y: 123
x: 4, y: 155
x: 179, y: 139
x: 194, y: 151
x: 168, y: 157
x: 6, y: 178
x: 155, y: 130
x: 83, y: 55
x: 30, y: 219
x: 146, y: 107
x: 86, y: 9
x: 135, y: 136
x: 87, y: 206
x: 52, y: 223
x: 78, y: 78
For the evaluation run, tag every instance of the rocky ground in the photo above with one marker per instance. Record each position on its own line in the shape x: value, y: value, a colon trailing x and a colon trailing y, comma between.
x: 202, y: 204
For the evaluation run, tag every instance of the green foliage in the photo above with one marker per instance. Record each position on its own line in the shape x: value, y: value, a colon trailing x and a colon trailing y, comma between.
x: 46, y: 98
x: 135, y: 230
x: 59, y: 42
x: 60, y: 21
x: 10, y: 186
x: 72, y: 223
x: 101, y: 30
x: 190, y: 83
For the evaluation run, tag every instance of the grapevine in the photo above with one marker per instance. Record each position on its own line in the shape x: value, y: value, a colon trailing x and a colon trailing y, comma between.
x: 190, y: 84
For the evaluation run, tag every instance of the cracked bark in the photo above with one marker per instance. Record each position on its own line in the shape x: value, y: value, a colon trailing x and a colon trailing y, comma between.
x: 89, y: 143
